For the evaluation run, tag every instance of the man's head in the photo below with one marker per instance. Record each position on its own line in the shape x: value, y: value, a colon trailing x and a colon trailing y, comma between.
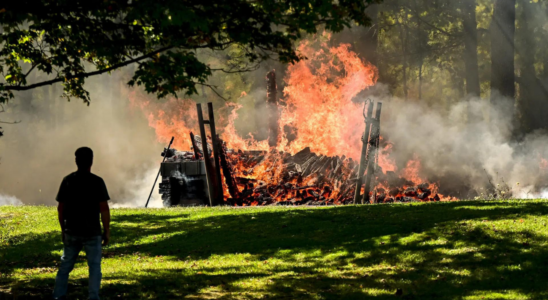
x: 84, y: 158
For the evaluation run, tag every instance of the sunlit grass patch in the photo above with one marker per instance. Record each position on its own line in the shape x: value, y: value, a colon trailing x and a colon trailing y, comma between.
x: 458, y: 250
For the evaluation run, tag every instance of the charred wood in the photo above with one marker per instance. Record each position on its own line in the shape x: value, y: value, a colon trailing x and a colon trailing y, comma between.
x: 197, y: 152
x: 228, y: 171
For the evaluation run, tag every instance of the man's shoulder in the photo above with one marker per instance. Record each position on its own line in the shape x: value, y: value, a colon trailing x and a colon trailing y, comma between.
x: 95, y: 177
x: 87, y: 177
x: 69, y: 176
x: 97, y: 181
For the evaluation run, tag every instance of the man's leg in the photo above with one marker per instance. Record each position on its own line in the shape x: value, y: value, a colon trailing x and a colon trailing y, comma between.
x: 70, y: 253
x: 93, y: 253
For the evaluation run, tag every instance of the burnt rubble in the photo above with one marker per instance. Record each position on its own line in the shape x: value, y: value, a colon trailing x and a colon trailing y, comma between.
x: 261, y: 178
x: 306, y: 178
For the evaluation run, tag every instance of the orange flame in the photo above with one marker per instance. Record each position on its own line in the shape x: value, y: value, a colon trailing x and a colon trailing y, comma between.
x: 174, y: 117
x: 411, y: 171
x: 319, y: 95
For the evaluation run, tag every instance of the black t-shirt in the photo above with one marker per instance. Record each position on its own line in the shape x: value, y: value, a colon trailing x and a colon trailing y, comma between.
x: 81, y: 192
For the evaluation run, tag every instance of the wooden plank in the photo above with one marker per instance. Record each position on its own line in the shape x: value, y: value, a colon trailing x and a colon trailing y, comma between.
x: 209, y: 168
x: 228, y: 171
x: 363, y: 156
x: 219, y: 199
x: 197, y: 154
x: 375, y: 135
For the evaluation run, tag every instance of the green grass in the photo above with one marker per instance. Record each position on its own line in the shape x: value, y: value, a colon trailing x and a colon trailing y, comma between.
x: 457, y: 250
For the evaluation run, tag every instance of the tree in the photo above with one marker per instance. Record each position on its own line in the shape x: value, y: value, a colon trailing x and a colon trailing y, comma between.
x: 502, y: 55
x: 70, y: 40
x: 532, y: 104
x: 420, y: 42
x: 470, y: 47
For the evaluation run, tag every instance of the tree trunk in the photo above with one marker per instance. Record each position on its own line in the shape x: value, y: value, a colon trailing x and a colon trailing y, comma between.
x: 532, y: 105
x: 371, y: 37
x: 272, y: 106
x: 502, y: 57
x: 404, y: 34
x: 471, y: 48
x: 422, y: 43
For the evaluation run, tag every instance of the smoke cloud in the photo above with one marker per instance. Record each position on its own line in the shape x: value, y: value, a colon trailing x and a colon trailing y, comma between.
x: 9, y: 200
x: 37, y: 153
x: 466, y: 147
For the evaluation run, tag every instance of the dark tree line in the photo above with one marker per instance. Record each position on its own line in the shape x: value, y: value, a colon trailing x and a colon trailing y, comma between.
x: 437, y: 51
x: 449, y: 50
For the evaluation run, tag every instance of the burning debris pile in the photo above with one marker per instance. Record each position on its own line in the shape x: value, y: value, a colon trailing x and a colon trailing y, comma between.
x: 284, y: 179
x: 259, y: 178
x: 312, y: 154
x: 310, y: 179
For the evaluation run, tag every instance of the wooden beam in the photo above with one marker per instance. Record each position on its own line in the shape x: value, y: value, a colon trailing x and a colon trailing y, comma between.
x: 219, y: 199
x: 375, y: 132
x: 363, y: 157
x: 209, y: 168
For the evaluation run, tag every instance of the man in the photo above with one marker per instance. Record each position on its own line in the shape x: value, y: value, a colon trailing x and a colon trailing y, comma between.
x: 82, y: 198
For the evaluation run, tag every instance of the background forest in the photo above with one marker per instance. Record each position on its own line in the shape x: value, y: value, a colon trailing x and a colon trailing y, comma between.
x: 435, y: 53
x: 441, y: 52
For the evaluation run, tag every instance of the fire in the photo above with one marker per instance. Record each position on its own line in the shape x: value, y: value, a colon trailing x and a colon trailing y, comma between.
x: 234, y: 140
x: 386, y: 163
x: 318, y: 161
x: 543, y: 165
x: 319, y: 93
x: 411, y: 171
x: 174, y: 117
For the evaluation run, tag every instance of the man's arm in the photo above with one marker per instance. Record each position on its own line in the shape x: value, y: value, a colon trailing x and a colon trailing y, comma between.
x: 60, y: 207
x: 105, y: 219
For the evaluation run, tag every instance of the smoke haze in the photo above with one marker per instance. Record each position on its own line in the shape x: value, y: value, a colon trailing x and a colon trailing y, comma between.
x: 466, y: 154
x: 464, y: 146
x: 9, y: 200
x: 37, y: 153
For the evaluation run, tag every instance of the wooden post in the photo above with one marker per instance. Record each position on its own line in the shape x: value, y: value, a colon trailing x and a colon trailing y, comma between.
x: 197, y: 154
x: 216, y: 150
x: 228, y: 172
x: 363, y: 157
x: 159, y: 171
x: 376, y: 164
x: 272, y: 108
x: 375, y: 132
x: 209, y: 169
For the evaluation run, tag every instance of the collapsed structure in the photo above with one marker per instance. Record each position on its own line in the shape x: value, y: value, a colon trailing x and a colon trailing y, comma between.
x: 316, y: 151
x: 212, y: 174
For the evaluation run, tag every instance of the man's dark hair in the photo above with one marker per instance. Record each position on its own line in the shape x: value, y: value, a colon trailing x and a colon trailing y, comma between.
x: 84, y: 157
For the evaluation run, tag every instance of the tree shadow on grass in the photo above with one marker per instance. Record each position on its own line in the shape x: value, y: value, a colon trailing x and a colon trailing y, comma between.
x: 429, y: 251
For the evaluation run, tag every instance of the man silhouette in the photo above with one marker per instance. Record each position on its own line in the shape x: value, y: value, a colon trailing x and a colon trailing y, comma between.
x: 82, y: 198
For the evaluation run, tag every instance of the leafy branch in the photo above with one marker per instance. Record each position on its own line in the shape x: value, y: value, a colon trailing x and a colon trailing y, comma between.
x: 64, y: 38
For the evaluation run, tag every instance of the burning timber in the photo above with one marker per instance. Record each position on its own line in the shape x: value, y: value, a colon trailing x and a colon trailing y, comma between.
x: 260, y: 178
x: 318, y: 111
x: 212, y: 174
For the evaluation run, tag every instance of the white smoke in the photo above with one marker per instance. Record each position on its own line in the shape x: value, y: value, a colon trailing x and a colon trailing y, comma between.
x: 466, y: 153
x: 139, y: 190
x: 9, y: 200
x: 38, y: 152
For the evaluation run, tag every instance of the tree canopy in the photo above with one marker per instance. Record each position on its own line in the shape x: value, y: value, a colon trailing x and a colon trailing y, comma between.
x: 70, y: 40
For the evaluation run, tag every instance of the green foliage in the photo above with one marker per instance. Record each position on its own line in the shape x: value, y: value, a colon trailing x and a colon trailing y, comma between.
x: 420, y: 43
x: 458, y: 250
x: 70, y: 40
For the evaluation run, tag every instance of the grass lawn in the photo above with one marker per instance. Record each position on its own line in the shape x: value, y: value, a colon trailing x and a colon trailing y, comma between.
x: 457, y: 250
